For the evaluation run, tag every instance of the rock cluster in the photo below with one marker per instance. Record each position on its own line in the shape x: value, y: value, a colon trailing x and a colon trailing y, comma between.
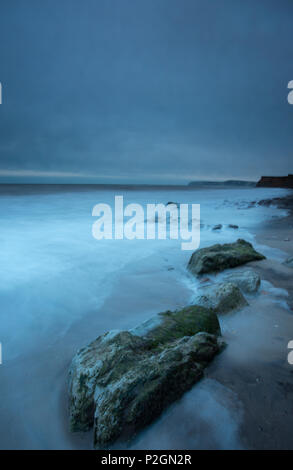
x: 123, y: 380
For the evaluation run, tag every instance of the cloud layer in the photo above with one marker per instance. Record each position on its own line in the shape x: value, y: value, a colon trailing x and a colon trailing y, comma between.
x: 145, y: 91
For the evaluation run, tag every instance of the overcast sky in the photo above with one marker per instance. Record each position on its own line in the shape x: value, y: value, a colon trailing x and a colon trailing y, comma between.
x: 145, y: 91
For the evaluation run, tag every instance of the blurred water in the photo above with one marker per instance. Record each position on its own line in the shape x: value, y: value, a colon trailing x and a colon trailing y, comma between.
x: 54, y: 271
x: 60, y: 288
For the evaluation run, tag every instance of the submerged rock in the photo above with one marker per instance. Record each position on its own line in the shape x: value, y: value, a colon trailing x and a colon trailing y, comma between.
x: 124, y: 379
x: 247, y: 280
x: 219, y: 257
x: 173, y: 203
x: 289, y: 262
x: 222, y: 298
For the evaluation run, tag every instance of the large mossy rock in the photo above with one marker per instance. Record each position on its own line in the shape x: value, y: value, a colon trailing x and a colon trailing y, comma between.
x: 124, y: 379
x: 219, y: 257
x: 157, y: 380
x: 222, y: 298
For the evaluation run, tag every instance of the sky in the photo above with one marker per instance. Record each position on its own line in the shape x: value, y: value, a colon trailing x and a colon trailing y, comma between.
x: 145, y: 91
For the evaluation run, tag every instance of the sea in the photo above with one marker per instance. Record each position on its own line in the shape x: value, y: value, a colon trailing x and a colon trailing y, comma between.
x: 60, y: 288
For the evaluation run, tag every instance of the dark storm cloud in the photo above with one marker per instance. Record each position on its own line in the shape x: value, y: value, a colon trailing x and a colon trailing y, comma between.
x: 146, y: 91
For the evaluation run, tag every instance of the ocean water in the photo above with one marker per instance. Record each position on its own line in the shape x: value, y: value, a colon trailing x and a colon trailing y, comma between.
x: 60, y: 288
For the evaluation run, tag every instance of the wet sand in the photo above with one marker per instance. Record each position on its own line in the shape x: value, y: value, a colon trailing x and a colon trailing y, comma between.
x: 245, y: 400
x: 255, y: 365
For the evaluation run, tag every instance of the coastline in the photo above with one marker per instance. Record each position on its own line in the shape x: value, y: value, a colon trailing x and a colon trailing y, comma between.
x: 261, y: 377
x: 248, y: 388
x: 278, y: 234
x: 246, y: 392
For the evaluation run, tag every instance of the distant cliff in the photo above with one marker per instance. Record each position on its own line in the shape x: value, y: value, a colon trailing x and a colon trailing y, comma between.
x: 223, y: 184
x: 276, y: 182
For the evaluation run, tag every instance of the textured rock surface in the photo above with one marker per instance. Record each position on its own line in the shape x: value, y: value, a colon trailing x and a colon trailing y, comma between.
x: 219, y: 257
x: 247, y: 280
x: 124, y: 379
x: 168, y: 326
x: 224, y: 297
x: 140, y: 395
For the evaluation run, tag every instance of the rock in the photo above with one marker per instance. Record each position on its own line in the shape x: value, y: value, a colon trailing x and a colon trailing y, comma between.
x: 219, y: 257
x: 222, y: 298
x: 92, y: 363
x: 139, y: 396
x: 205, y: 279
x: 168, y: 326
x: 233, y: 226
x: 248, y: 280
x: 276, y: 181
x: 175, y: 203
x: 217, y: 227
x: 289, y: 262
x: 124, y: 379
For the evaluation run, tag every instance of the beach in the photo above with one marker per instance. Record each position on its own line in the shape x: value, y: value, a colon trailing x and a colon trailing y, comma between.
x: 67, y: 300
x: 260, y: 376
x: 274, y: 387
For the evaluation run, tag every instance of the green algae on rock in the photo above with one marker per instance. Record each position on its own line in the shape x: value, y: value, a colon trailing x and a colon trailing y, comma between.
x: 168, y: 326
x: 219, y: 257
x: 124, y: 379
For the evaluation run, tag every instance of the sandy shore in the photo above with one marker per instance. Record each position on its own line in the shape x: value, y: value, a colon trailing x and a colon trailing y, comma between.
x: 279, y: 234
x: 255, y: 365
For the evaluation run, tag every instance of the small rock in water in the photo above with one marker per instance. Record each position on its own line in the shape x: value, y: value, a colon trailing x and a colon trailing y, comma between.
x: 171, y: 202
x: 247, y: 280
x: 233, y: 226
x: 289, y: 262
x: 217, y: 227
x: 205, y: 279
x: 222, y: 298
